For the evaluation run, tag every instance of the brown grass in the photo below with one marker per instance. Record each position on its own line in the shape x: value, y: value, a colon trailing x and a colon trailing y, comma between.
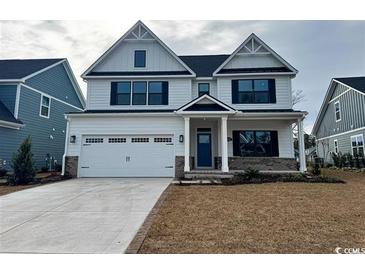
x: 262, y: 218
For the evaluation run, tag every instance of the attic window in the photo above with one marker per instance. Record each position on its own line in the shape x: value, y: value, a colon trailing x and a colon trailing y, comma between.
x: 139, y: 58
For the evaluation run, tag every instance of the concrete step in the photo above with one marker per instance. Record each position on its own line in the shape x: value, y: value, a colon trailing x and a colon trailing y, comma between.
x: 207, y: 174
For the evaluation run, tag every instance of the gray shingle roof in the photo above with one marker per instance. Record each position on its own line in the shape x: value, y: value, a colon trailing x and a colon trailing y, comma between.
x: 204, y: 65
x: 354, y: 82
x: 14, y: 69
x: 6, y: 115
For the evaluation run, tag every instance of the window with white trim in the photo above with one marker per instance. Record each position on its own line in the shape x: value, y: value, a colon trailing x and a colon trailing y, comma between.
x: 45, y: 106
x: 335, y: 144
x: 357, y: 145
x: 337, y: 111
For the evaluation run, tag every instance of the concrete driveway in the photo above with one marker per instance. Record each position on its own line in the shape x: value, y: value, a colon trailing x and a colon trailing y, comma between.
x: 95, y: 215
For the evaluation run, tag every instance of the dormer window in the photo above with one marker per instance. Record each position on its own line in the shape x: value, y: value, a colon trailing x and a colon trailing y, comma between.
x: 140, y: 59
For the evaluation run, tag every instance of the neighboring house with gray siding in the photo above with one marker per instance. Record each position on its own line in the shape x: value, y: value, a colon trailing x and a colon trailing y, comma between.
x: 340, y: 125
x: 34, y: 96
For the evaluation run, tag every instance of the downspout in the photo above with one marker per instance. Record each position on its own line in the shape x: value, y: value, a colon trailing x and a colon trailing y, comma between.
x: 66, y: 146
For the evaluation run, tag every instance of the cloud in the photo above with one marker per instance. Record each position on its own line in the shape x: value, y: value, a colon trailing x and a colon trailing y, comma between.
x: 320, y: 50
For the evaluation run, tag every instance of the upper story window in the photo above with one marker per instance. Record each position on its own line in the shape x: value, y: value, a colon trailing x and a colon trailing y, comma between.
x: 337, y: 111
x: 256, y: 91
x: 158, y: 93
x: 203, y: 88
x: 45, y: 106
x: 139, y: 93
x: 357, y: 145
x: 121, y: 93
x: 139, y: 58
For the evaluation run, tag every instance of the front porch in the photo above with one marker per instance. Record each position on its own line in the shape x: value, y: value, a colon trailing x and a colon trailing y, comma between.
x: 225, y: 141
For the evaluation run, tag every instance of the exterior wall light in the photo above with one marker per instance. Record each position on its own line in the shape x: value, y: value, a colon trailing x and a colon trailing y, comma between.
x: 181, y: 138
x: 73, y: 139
x: 229, y: 139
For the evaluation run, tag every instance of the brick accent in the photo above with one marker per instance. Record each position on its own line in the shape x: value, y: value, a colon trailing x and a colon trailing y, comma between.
x: 71, y: 163
x: 179, y: 166
x: 260, y: 163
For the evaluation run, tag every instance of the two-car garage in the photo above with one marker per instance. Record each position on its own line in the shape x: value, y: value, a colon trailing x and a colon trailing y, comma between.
x: 127, y: 156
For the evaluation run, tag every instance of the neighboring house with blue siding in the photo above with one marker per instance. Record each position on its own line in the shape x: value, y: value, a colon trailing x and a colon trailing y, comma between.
x: 34, y: 96
x: 340, y: 125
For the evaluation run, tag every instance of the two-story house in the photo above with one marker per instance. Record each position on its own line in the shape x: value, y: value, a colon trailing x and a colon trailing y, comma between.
x: 150, y: 112
x: 340, y: 124
x: 34, y: 96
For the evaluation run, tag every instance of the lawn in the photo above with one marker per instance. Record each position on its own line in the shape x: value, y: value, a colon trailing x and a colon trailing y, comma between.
x: 261, y: 218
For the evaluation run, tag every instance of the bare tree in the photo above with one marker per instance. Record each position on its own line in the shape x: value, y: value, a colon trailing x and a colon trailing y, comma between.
x: 297, y: 96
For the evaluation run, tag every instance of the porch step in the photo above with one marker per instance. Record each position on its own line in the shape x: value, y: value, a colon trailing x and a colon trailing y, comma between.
x: 207, y: 174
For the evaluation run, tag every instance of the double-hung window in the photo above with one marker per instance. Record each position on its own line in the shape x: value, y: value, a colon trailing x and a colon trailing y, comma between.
x: 253, y: 143
x: 157, y: 93
x: 121, y: 93
x: 357, y: 145
x: 45, y: 106
x: 337, y: 111
x: 139, y: 93
x: 256, y: 91
x: 335, y: 143
x: 139, y: 58
x: 203, y: 88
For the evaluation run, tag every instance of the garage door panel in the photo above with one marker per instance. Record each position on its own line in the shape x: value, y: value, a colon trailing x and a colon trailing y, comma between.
x: 127, y: 156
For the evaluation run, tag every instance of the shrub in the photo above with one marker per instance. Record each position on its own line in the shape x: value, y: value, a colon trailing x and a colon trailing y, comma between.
x: 3, y: 172
x: 363, y: 161
x: 350, y: 160
x: 316, y: 167
x: 357, y: 160
x: 23, y: 164
x: 336, y: 159
x: 58, y: 168
x: 251, y: 173
x: 342, y: 160
x: 44, y: 169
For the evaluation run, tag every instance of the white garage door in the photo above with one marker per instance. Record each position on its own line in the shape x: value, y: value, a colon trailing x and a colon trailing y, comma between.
x: 127, y: 156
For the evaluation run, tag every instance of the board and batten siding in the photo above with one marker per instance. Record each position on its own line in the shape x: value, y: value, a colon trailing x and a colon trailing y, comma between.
x: 98, y: 94
x: 285, y: 136
x: 39, y: 128
x: 253, y: 61
x: 324, y: 147
x: 8, y: 96
x: 283, y: 92
x: 352, y: 105
x: 122, y: 58
x: 55, y: 82
x: 129, y: 126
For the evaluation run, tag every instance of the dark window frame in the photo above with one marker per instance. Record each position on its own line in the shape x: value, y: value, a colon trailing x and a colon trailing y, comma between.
x: 164, y: 93
x: 134, y: 94
x: 254, y: 94
x: 201, y: 93
x: 274, y: 144
x: 136, y: 65
x: 115, y: 100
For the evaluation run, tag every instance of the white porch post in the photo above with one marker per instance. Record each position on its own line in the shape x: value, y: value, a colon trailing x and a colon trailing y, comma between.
x: 224, y: 142
x: 303, y: 165
x: 187, y: 144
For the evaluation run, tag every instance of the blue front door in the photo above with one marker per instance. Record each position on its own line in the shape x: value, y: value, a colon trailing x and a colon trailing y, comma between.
x: 204, y: 150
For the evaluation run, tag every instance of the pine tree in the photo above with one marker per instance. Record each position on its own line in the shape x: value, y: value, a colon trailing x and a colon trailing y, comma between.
x: 23, y: 164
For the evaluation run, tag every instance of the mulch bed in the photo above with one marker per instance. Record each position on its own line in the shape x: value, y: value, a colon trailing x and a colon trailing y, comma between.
x: 260, y: 218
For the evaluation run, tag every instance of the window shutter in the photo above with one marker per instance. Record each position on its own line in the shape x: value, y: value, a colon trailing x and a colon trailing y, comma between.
x: 275, y: 143
x: 272, y: 90
x: 236, y: 143
x: 165, y: 93
x: 234, y: 91
x: 113, y: 93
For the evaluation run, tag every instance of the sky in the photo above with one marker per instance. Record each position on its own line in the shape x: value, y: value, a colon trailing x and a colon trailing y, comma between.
x: 320, y: 50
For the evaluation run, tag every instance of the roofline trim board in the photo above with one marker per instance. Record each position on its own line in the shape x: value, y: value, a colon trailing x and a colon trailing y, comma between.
x: 350, y: 87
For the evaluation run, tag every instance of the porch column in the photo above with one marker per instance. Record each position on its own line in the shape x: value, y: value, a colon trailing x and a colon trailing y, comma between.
x: 224, y: 142
x: 187, y: 144
x: 302, y: 163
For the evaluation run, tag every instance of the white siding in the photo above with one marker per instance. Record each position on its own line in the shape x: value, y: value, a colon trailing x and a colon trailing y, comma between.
x: 285, y: 136
x: 283, y: 93
x: 79, y: 127
x: 122, y: 58
x: 99, y: 94
x: 212, y: 84
x: 253, y: 61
